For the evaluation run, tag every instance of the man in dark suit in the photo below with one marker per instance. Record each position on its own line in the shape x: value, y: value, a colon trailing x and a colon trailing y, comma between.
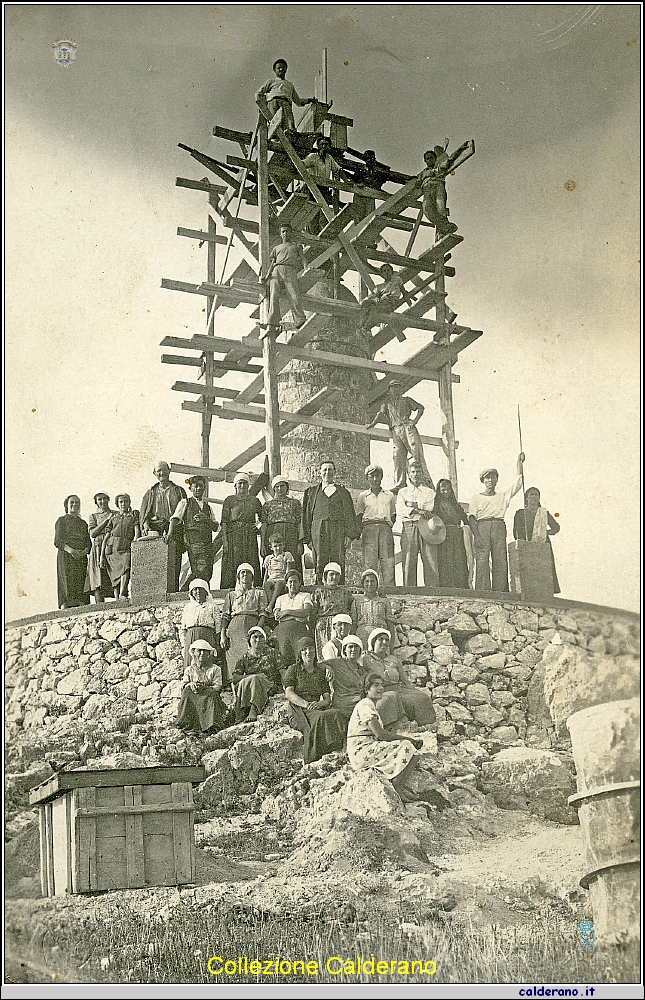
x: 328, y: 520
x: 157, y: 507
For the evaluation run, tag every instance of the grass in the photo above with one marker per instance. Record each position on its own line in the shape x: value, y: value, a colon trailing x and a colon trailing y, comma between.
x: 177, y: 946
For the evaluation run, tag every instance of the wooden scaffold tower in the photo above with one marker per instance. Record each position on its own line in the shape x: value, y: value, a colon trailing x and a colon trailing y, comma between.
x: 303, y: 379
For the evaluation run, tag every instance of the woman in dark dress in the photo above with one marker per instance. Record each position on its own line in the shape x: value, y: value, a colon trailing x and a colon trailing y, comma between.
x: 534, y: 523
x: 240, y: 522
x: 282, y: 516
x: 72, y: 539
x: 256, y: 676
x: 453, y: 564
x: 309, y: 697
x: 201, y: 709
x: 98, y: 582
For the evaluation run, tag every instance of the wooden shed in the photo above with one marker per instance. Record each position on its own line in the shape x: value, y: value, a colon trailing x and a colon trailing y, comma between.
x: 117, y: 829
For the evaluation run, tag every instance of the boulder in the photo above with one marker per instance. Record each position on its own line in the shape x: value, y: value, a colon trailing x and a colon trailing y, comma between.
x: 416, y: 637
x: 575, y: 679
x: 501, y: 699
x: 171, y: 691
x: 477, y: 694
x: 55, y: 633
x: 147, y: 692
x: 525, y: 619
x: 504, y: 734
x: 529, y: 655
x: 97, y: 705
x: 406, y: 653
x: 158, y: 633
x: 445, y: 730
x: 129, y: 638
x: 112, y: 629
x: 458, y: 713
x: 168, y: 650
x: 59, y: 649
x: 481, y: 644
x: 487, y: 716
x: 462, y: 626
x: 169, y: 670
x: 459, y: 674
x: 34, y: 717
x: 442, y: 638
x: 417, y: 672
x: 217, y: 762
x: 96, y: 646
x: 501, y: 629
x: 447, y: 692
x: 567, y: 623
x: 116, y: 672
x: 246, y: 762
x: 437, y: 673
x: 75, y: 683
x: 537, y: 781
x: 444, y: 654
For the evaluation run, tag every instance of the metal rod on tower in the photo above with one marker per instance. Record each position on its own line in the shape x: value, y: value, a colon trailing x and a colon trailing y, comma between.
x: 207, y: 418
x: 323, y: 78
x: 268, y: 343
x: 445, y: 387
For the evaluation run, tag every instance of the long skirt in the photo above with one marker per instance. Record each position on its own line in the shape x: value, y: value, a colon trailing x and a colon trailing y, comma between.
x: 200, y: 711
x: 118, y: 565
x: 389, y: 758
x: 417, y: 705
x: 238, y: 634
x: 288, y: 634
x: 390, y: 708
x: 71, y: 580
x: 241, y: 546
x: 453, y: 564
x: 97, y: 578
x: 253, y: 689
x: 323, y: 730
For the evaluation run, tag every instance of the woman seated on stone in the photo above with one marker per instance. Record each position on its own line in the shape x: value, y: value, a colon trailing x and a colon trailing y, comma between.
x: 122, y: 530
x: 199, y: 618
x: 415, y: 702
x: 307, y: 691
x: 369, y: 610
x: 243, y: 607
x: 341, y: 625
x: 330, y: 599
x: 346, y: 674
x: 370, y: 745
x: 201, y: 709
x: 292, y: 613
x: 256, y: 676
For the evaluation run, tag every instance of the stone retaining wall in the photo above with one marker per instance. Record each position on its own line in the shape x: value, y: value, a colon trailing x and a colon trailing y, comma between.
x: 477, y: 658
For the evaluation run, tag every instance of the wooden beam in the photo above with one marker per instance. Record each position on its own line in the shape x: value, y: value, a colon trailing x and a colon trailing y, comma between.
x: 207, y: 391
x: 179, y: 359
x: 307, y: 330
x: 243, y: 138
x: 197, y: 234
x: 203, y: 185
x: 256, y: 413
x: 272, y: 420
x: 435, y: 354
x: 327, y: 358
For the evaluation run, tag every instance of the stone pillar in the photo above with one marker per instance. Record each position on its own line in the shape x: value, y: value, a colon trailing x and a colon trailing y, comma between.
x: 306, y: 446
x: 149, y: 570
x: 531, y: 570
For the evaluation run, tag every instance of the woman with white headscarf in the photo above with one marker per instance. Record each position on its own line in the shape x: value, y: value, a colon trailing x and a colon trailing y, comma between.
x: 346, y: 674
x: 201, y: 709
x: 370, y: 610
x: 329, y: 599
x: 256, y: 676
x: 282, y: 516
x: 240, y: 524
x: 199, y: 618
x: 412, y: 703
x: 243, y: 607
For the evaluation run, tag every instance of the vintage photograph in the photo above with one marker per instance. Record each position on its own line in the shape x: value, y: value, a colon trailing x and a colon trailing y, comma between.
x: 322, y: 496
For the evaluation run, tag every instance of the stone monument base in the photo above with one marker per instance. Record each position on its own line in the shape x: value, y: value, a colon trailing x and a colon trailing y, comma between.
x: 531, y: 570
x: 149, y: 572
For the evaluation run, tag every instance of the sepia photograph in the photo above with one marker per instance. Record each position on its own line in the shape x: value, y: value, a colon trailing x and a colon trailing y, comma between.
x: 322, y: 496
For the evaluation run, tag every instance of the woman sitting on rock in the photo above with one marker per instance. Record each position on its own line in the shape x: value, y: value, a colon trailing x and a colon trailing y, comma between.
x: 201, y: 709
x: 329, y: 599
x: 370, y: 745
x: 346, y: 674
x: 307, y: 691
x: 292, y: 613
x: 199, y: 618
x: 370, y: 610
x: 256, y: 676
x: 415, y: 702
x: 243, y: 607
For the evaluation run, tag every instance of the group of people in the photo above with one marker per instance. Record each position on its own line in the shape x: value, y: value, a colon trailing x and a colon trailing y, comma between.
x: 272, y: 539
x: 343, y: 684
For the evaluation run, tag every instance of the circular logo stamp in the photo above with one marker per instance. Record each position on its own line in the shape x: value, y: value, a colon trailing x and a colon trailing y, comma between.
x: 64, y: 52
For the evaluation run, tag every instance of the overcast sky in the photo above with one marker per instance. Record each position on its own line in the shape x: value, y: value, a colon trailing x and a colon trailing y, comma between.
x: 549, y: 267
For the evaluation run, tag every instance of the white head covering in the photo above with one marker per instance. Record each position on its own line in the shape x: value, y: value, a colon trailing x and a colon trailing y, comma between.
x: 374, y: 634
x: 351, y: 639
x: 279, y: 479
x: 244, y: 566
x: 334, y: 567
x: 337, y: 619
x: 256, y: 628
x: 195, y: 584
x: 371, y: 572
x: 201, y: 644
x: 242, y: 477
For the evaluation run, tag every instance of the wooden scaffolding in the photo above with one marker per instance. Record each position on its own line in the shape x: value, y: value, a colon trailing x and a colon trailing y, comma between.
x: 271, y: 183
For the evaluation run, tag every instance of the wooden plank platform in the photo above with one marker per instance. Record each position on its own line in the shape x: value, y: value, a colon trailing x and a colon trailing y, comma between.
x: 64, y: 780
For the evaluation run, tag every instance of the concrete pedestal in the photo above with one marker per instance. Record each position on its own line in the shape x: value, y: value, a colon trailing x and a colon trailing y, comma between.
x: 531, y: 570
x: 149, y: 573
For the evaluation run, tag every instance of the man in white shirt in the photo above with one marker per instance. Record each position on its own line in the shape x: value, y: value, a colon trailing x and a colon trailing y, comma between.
x: 376, y: 512
x: 486, y: 512
x: 280, y: 94
x: 285, y: 263
x: 414, y: 504
x: 396, y: 411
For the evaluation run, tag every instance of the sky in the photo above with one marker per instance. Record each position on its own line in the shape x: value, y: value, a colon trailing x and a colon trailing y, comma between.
x: 549, y: 268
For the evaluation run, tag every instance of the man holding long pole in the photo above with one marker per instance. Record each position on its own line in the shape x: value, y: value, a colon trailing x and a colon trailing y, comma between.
x: 486, y: 512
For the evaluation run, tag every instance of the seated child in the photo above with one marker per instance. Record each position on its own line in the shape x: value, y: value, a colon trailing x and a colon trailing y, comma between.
x: 275, y: 568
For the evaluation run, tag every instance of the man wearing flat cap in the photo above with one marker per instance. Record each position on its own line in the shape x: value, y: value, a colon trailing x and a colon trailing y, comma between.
x: 486, y: 512
x: 157, y: 507
x: 328, y: 520
x: 376, y: 512
x: 280, y: 94
x: 396, y: 412
x: 421, y: 530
